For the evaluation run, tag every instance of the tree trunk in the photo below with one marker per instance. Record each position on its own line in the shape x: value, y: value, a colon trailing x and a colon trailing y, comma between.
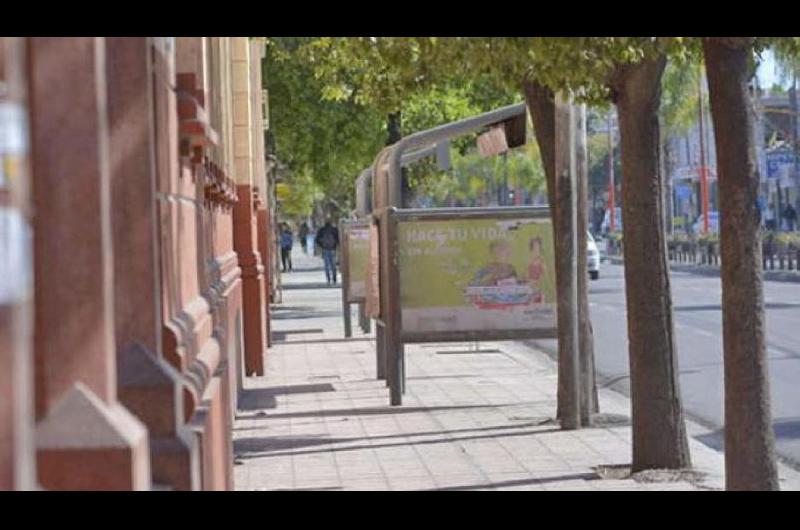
x: 749, y: 439
x: 394, y: 128
x: 588, y: 394
x: 569, y: 389
x: 541, y: 105
x: 659, y: 432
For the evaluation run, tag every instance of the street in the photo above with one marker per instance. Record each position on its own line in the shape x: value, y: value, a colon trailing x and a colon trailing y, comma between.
x: 698, y: 325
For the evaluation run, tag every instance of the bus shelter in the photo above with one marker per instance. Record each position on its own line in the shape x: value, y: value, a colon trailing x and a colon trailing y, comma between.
x: 454, y: 274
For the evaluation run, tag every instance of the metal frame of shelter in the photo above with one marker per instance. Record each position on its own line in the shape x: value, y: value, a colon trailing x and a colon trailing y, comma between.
x: 345, y: 227
x: 387, y: 208
x: 363, y: 211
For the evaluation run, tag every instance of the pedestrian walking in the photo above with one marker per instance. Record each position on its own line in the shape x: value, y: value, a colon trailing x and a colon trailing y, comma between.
x: 287, y: 241
x: 302, y: 235
x: 769, y: 217
x: 790, y: 217
x: 328, y: 240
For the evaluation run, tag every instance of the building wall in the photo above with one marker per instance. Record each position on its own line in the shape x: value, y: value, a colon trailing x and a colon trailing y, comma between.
x: 138, y: 342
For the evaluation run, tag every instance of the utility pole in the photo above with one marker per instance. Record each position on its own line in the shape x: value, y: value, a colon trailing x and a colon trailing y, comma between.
x: 793, y: 102
x: 611, y: 184
x: 505, y: 179
x: 703, y: 174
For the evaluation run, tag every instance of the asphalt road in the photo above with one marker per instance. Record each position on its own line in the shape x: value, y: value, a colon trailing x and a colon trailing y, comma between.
x: 698, y: 325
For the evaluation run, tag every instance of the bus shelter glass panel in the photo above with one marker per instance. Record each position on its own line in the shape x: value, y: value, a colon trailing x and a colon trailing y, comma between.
x: 358, y: 255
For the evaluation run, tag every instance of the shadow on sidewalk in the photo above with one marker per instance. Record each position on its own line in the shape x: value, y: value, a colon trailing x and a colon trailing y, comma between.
x: 366, y: 411
x: 262, y: 447
x: 315, y: 285
x: 520, y: 482
x: 264, y: 398
x: 305, y: 315
x: 784, y: 429
x: 278, y: 339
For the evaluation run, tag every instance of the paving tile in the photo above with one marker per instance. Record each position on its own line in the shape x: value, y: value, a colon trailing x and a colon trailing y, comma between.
x: 468, y: 422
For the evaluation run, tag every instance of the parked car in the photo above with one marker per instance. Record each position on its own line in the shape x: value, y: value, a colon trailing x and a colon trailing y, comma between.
x: 592, y: 257
x: 713, y: 223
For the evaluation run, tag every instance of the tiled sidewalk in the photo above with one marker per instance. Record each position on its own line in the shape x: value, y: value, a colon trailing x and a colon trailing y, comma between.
x: 470, y: 420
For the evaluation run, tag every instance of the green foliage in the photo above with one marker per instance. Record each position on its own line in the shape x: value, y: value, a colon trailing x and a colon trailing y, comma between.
x: 597, y: 150
x: 321, y: 141
x: 679, y: 95
x: 341, y: 88
x: 786, y: 51
x: 475, y: 180
x: 708, y: 239
x: 303, y: 194
x: 787, y: 240
x: 329, y: 98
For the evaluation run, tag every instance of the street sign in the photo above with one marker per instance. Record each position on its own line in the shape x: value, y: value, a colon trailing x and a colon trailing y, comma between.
x: 692, y: 173
x: 356, y: 257
x: 372, y: 303
x: 683, y: 192
x: 779, y: 163
x: 493, y: 142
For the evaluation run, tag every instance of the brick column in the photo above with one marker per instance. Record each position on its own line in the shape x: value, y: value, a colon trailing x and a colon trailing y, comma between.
x: 17, y: 456
x: 148, y: 386
x: 262, y: 220
x: 245, y: 230
x: 85, y: 438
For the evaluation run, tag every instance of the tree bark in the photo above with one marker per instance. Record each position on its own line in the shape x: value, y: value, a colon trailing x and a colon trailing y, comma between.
x: 569, y: 389
x: 541, y: 104
x: 659, y: 432
x: 749, y: 438
x: 588, y: 394
x: 394, y: 129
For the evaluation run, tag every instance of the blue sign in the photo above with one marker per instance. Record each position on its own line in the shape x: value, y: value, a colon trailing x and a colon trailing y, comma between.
x: 683, y: 192
x: 777, y: 161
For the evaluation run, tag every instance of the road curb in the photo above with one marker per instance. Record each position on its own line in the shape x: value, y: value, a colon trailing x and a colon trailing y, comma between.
x: 702, y: 430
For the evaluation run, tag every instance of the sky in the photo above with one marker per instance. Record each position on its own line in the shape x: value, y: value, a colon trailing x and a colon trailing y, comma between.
x: 766, y: 73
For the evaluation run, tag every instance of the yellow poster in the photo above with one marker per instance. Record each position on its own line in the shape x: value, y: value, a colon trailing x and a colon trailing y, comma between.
x: 476, y: 275
x: 358, y: 262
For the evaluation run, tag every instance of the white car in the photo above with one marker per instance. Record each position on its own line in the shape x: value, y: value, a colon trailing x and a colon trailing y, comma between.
x: 592, y: 257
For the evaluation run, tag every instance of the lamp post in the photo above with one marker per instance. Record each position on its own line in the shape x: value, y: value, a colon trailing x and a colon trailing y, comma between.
x: 611, y: 184
x: 703, y: 173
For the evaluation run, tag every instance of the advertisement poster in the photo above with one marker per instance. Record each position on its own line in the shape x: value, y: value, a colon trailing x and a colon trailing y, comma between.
x: 358, y: 262
x: 477, y: 275
x: 372, y: 306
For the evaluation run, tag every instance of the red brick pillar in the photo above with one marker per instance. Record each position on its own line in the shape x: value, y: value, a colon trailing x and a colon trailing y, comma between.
x: 263, y: 225
x: 148, y: 386
x: 85, y: 438
x: 17, y: 456
x: 246, y: 244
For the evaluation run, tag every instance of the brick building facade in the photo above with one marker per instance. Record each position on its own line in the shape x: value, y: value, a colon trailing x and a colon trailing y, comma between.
x: 134, y: 189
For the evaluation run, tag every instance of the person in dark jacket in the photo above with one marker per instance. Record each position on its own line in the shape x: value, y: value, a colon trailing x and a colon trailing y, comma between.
x: 302, y: 235
x: 790, y: 217
x: 328, y: 240
x: 287, y: 241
